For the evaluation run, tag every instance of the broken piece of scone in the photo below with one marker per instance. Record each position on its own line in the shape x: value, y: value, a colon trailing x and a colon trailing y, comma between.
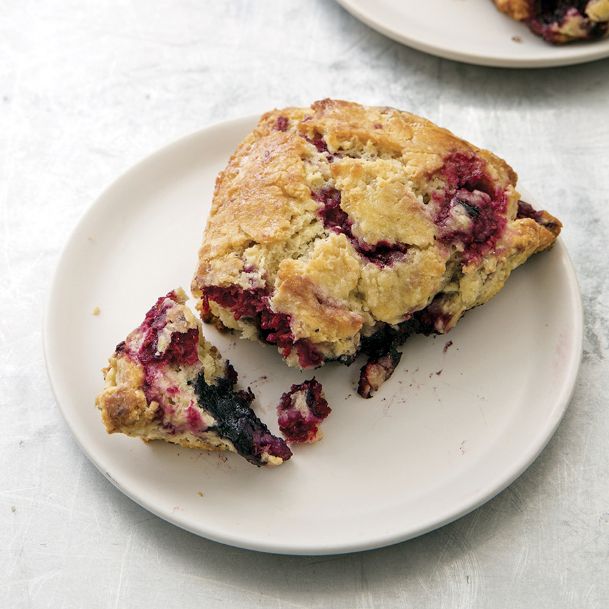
x: 561, y: 21
x: 166, y: 382
x: 301, y: 411
x: 340, y: 229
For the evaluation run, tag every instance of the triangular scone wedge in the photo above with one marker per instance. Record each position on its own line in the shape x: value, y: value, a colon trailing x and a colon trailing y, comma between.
x: 166, y: 382
x: 341, y: 229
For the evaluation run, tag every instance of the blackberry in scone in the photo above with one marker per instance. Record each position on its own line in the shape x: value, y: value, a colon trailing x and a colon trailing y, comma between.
x: 166, y: 382
x: 339, y: 229
x: 561, y: 21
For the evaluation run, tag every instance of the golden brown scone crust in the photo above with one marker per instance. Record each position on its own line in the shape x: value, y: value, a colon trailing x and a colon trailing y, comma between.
x: 520, y: 10
x: 267, y: 230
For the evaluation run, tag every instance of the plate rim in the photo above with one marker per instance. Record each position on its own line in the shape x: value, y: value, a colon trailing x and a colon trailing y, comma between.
x: 354, y: 8
x: 538, y: 442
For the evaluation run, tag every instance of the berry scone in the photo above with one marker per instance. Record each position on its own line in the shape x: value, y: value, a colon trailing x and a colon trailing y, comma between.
x: 339, y: 229
x: 561, y: 21
x: 166, y: 382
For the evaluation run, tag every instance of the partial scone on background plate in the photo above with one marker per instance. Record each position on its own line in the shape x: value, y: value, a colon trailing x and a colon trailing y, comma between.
x: 561, y: 21
x: 166, y: 382
x: 339, y: 229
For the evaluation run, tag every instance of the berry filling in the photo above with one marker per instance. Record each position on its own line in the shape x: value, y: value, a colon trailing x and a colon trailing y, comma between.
x: 383, y: 356
x: 555, y: 10
x: 483, y: 228
x: 332, y: 214
x: 376, y: 371
x: 237, y: 422
x: 469, y: 211
x: 182, y: 349
x: 273, y: 328
x: 465, y: 170
x: 525, y: 210
x: 553, y: 15
x: 301, y: 410
x: 381, y: 346
x: 318, y: 141
x: 281, y: 124
x: 432, y: 319
x: 337, y: 220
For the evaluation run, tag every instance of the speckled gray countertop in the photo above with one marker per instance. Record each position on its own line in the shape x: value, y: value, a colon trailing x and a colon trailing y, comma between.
x: 87, y: 89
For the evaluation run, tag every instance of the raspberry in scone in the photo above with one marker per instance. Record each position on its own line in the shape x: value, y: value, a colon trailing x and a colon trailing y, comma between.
x: 561, y: 21
x: 166, y: 382
x: 339, y: 229
x: 301, y: 410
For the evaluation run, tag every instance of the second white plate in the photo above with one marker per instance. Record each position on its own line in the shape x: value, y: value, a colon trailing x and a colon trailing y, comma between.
x: 472, y: 31
x: 462, y: 416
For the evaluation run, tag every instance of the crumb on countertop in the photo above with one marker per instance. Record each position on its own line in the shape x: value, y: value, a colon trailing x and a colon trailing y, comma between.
x: 96, y: 311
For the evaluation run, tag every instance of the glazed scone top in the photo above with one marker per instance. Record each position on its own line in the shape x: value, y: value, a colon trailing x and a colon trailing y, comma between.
x: 348, y: 216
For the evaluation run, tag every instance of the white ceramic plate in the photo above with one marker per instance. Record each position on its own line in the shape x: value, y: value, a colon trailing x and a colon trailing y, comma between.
x: 453, y: 427
x: 473, y: 31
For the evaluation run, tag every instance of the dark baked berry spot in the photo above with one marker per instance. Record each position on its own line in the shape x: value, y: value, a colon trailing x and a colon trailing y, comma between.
x: 525, y: 210
x: 376, y: 371
x: 237, y: 422
x: 382, y: 253
x: 308, y: 355
x: 301, y: 410
x: 383, y: 357
x: 551, y: 16
x: 433, y: 319
x: 331, y: 213
x: 318, y: 141
x: 281, y: 124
